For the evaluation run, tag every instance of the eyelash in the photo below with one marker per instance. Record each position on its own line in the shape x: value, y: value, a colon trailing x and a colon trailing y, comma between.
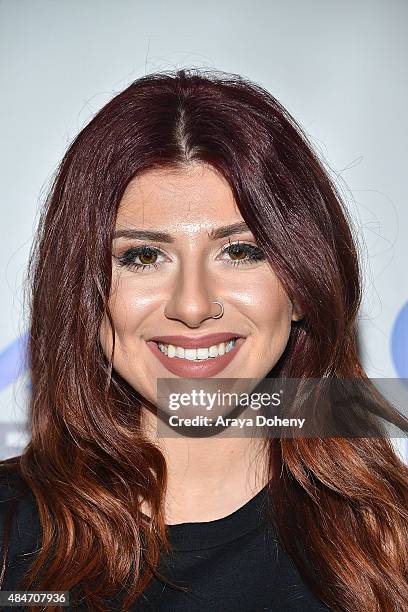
x: 126, y: 260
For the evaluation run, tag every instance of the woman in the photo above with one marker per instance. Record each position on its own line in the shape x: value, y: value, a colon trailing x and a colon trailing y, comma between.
x: 191, y: 213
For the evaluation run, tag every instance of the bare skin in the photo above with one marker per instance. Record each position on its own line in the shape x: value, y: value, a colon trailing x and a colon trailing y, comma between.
x: 208, y: 478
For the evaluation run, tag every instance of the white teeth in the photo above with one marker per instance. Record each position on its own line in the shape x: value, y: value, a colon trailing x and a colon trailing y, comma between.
x: 190, y: 354
x: 202, y: 353
x: 198, y: 354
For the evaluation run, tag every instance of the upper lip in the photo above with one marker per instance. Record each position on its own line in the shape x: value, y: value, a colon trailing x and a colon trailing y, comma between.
x: 196, y: 341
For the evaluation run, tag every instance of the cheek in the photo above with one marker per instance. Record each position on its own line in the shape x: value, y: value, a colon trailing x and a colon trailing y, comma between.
x: 127, y: 313
x: 130, y: 306
x: 267, y: 299
x: 272, y: 314
x: 123, y: 312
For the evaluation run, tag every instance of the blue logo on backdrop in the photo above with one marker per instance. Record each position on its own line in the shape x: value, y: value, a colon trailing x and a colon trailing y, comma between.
x: 13, y: 361
x: 399, y: 342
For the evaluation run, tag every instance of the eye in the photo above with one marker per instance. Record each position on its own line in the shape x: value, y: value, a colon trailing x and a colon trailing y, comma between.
x: 140, y: 258
x: 243, y: 253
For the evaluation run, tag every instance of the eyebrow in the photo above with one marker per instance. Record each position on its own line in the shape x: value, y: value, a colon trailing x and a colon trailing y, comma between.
x: 214, y: 234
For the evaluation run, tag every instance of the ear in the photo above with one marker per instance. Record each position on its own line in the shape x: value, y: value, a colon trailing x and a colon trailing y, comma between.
x: 297, y: 313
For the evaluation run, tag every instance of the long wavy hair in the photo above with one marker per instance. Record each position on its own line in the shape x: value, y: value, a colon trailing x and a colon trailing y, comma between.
x: 340, y: 504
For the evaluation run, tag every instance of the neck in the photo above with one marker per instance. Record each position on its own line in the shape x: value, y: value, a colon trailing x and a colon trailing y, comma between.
x: 207, y: 478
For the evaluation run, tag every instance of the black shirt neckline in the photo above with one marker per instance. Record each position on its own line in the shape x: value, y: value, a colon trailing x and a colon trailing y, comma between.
x: 209, y: 534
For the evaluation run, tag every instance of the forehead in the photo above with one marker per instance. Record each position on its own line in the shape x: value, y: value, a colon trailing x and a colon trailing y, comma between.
x: 194, y: 196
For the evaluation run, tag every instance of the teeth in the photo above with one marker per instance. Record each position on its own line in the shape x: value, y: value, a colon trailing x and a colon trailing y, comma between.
x: 198, y: 354
x: 202, y: 353
x: 213, y: 351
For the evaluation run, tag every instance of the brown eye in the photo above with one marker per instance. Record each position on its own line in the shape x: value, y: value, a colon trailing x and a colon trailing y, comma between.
x: 147, y: 256
x: 241, y: 254
x: 237, y: 252
x: 140, y: 258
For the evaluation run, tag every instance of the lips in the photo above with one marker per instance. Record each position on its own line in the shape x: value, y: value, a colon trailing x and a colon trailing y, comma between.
x: 197, y: 341
x: 199, y: 368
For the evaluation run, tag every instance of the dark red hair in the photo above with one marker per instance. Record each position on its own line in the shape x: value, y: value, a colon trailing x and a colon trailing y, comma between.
x: 340, y: 503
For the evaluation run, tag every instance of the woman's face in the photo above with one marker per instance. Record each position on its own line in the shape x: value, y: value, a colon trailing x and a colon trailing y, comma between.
x: 165, y: 281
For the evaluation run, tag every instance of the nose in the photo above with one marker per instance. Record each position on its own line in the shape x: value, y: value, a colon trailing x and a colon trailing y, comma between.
x: 192, y: 297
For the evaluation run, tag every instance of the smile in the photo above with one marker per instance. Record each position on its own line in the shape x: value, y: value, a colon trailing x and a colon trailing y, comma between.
x: 197, y: 354
x: 199, y: 360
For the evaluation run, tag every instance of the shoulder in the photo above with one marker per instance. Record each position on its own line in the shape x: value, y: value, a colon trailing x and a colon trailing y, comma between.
x: 14, y: 490
x: 19, y: 519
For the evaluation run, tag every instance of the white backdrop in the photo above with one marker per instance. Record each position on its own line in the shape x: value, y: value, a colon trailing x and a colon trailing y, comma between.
x: 338, y: 66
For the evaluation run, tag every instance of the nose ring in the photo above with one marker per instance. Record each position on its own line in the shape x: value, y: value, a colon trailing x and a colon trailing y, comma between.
x: 218, y: 316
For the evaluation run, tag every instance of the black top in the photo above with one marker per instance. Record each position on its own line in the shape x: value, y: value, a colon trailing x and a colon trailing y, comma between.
x: 232, y: 564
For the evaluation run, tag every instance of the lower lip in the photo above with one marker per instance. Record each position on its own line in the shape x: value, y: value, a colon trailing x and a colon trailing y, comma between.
x: 200, y: 368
